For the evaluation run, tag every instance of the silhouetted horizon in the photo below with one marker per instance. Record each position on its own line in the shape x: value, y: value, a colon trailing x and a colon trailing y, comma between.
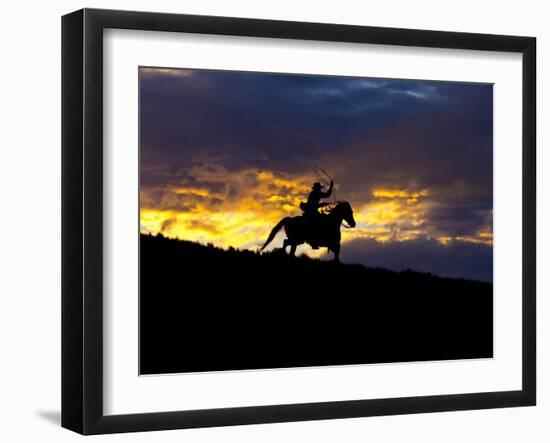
x: 326, y: 258
x: 321, y: 259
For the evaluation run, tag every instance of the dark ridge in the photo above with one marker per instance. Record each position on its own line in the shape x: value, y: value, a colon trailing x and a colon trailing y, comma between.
x: 204, y: 308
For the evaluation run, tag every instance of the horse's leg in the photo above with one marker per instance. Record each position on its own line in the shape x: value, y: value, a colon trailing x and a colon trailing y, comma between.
x: 293, y: 249
x: 336, y: 250
x: 285, y: 244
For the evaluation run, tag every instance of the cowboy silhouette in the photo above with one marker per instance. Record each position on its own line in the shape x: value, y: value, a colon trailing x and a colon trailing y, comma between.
x: 311, y: 207
x: 313, y: 228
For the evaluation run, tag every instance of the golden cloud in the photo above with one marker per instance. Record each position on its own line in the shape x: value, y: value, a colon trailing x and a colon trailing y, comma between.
x: 392, y: 215
x: 228, y: 208
x: 239, y: 208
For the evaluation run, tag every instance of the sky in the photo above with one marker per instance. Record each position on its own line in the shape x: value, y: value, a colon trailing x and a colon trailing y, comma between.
x: 224, y: 155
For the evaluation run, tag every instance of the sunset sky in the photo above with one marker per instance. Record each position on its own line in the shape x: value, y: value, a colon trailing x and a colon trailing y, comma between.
x: 225, y: 155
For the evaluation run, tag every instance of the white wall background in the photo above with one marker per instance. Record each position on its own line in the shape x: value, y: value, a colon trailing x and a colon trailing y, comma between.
x: 30, y: 207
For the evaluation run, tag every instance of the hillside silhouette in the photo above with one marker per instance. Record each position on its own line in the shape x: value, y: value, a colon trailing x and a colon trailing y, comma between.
x: 205, y: 309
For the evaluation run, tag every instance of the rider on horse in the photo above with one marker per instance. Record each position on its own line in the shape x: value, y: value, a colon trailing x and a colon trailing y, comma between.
x: 311, y: 207
x: 313, y: 228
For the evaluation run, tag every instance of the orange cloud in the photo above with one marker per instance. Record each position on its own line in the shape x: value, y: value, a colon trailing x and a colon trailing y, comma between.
x: 399, y: 193
x: 228, y: 208
x: 239, y: 208
x: 392, y: 215
x: 483, y: 236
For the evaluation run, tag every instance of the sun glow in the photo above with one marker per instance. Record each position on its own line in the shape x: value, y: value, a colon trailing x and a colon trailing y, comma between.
x: 227, y: 209
x: 391, y: 215
x: 239, y: 209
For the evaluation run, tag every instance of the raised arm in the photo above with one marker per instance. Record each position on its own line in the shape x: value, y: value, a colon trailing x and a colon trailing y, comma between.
x: 329, y: 192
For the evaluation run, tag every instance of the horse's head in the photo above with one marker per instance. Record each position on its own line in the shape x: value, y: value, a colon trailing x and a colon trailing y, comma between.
x: 344, y: 208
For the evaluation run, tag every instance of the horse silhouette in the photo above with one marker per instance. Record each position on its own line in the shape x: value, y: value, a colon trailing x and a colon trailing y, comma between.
x: 319, y: 230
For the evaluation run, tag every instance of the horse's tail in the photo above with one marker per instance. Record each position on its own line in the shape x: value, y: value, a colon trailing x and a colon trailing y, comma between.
x: 274, y: 231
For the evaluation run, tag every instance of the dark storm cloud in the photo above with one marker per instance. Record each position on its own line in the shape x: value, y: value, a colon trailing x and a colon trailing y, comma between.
x: 408, y: 128
x: 269, y: 117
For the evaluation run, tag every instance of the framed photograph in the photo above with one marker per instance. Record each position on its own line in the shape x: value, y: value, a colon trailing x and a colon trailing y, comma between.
x: 268, y: 221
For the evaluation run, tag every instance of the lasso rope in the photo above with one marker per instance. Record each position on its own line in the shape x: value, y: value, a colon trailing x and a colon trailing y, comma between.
x: 320, y: 172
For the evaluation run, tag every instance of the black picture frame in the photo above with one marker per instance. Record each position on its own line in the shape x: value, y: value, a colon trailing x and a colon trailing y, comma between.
x: 82, y: 220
